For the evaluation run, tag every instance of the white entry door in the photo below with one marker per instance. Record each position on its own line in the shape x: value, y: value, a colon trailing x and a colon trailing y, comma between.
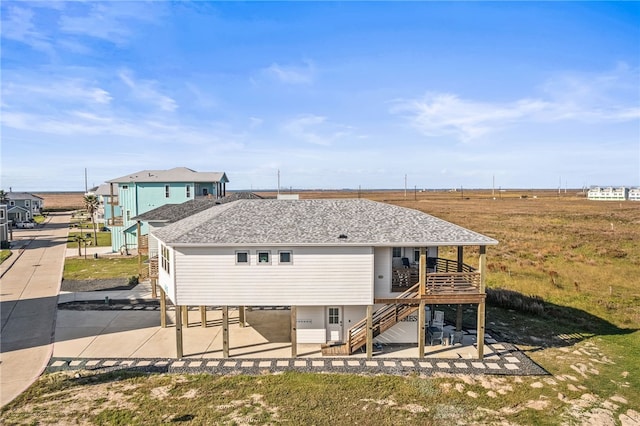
x: 334, y: 324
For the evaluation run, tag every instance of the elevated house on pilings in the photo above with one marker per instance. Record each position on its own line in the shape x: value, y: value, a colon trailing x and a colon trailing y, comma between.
x: 136, y: 193
x: 351, y: 270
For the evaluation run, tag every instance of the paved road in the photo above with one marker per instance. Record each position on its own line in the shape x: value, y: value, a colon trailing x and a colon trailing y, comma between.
x: 28, y: 301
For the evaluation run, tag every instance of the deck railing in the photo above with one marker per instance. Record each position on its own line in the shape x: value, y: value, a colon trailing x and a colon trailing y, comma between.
x: 115, y: 221
x: 444, y: 276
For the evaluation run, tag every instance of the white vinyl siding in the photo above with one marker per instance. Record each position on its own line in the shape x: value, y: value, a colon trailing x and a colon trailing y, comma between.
x: 319, y: 276
x: 166, y: 279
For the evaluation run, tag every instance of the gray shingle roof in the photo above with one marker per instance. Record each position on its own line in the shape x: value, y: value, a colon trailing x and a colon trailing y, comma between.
x: 22, y: 196
x: 174, y: 212
x: 316, y: 222
x: 177, y: 174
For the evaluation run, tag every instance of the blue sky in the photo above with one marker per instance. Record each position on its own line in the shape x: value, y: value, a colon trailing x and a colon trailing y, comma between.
x: 333, y: 94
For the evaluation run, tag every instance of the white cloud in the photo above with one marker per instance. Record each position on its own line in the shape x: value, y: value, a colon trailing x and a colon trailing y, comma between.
x: 17, y: 24
x: 145, y: 90
x: 315, y: 129
x: 53, y: 92
x: 590, y: 99
x: 292, y: 74
x: 111, y: 21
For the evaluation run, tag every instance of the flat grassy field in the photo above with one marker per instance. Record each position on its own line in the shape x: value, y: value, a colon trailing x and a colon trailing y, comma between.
x: 580, y: 260
x: 104, y: 238
x: 101, y: 268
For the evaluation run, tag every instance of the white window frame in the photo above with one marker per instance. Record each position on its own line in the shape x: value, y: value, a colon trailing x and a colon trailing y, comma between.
x: 27, y: 203
x: 188, y: 190
x: 12, y: 203
x: 1, y: 213
x: 239, y: 252
x: 280, y: 253
x: 165, y: 259
x: 261, y: 252
x: 167, y: 191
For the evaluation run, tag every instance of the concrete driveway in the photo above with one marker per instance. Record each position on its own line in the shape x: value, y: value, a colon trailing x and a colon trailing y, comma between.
x: 28, y: 299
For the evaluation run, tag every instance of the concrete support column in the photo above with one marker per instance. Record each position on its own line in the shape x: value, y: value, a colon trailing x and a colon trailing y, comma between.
x: 294, y: 333
x: 459, y: 318
x: 163, y: 309
x: 369, y: 331
x: 421, y: 330
x: 225, y: 332
x: 203, y: 316
x: 179, y: 352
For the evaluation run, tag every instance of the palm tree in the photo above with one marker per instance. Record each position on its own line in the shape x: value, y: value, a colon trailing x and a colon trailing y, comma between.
x: 91, y: 204
x: 80, y: 239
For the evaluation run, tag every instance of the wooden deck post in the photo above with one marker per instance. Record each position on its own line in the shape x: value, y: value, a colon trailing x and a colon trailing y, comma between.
x: 460, y: 264
x: 294, y: 333
x: 163, y: 309
x: 241, y: 316
x: 369, y: 331
x: 421, y: 330
x: 185, y: 315
x: 225, y: 331
x: 422, y: 271
x: 203, y: 316
x: 179, y: 352
x: 482, y: 264
x: 154, y: 288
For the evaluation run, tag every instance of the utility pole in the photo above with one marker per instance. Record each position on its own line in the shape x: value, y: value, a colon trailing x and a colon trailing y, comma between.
x: 278, y: 181
x: 86, y: 189
x: 405, y: 187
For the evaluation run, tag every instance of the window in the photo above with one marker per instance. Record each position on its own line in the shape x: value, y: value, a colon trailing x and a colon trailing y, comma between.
x: 397, y: 252
x: 242, y: 258
x: 1, y: 214
x: 188, y: 190
x: 166, y: 191
x: 26, y: 203
x: 124, y: 187
x: 164, y: 258
x: 416, y: 255
x: 334, y: 315
x: 205, y: 192
x: 12, y: 203
x: 285, y: 257
x: 128, y: 214
x: 264, y: 257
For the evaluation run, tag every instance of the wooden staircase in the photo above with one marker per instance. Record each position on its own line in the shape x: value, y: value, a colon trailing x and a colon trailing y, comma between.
x: 382, y: 320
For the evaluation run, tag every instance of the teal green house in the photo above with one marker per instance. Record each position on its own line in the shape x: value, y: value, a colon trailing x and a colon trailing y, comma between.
x: 137, y: 193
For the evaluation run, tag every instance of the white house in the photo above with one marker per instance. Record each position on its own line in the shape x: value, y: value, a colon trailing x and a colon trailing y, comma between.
x: 634, y: 194
x: 608, y: 194
x: 337, y: 263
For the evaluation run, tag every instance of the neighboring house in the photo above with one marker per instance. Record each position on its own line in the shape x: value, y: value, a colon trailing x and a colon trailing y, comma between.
x: 103, y: 193
x: 634, y: 194
x: 23, y: 206
x: 146, y: 190
x: 334, y: 262
x: 608, y: 194
x: 4, y: 227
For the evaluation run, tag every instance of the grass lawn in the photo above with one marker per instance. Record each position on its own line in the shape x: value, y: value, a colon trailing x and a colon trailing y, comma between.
x: 4, y: 255
x: 580, y: 258
x: 101, y: 268
x: 104, y: 239
x: 39, y: 219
